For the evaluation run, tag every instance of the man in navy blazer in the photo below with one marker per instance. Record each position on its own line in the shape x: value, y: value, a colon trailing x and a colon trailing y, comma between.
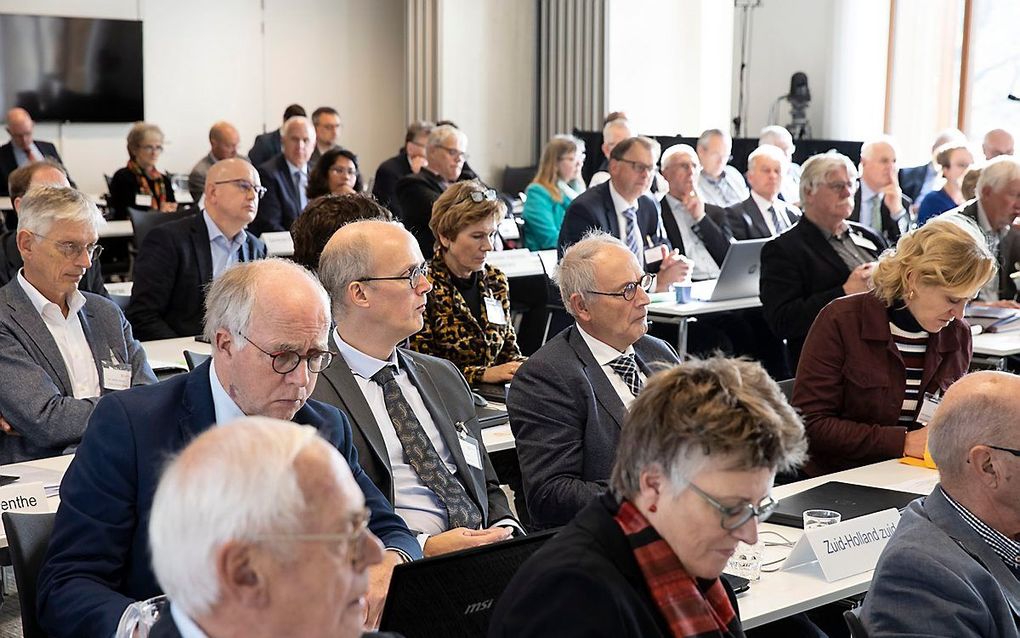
x: 955, y: 552
x: 268, y: 322
x: 285, y: 177
x: 179, y: 259
x: 763, y: 214
x: 620, y: 208
x: 23, y: 148
x: 568, y: 401
x: 268, y: 145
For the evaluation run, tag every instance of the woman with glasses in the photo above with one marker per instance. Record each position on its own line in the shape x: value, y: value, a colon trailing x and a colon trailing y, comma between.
x: 556, y: 184
x: 467, y: 317
x: 692, y: 478
x: 954, y: 159
x: 874, y: 363
x: 335, y: 173
x: 140, y: 184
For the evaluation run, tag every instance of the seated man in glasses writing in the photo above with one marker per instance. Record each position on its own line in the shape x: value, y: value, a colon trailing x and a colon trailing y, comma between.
x: 568, y: 402
x: 178, y: 259
x: 62, y: 348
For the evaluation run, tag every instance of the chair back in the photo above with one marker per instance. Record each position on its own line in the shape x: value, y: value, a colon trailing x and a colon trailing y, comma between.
x: 853, y: 623
x: 143, y: 221
x: 195, y: 359
x: 786, y: 387
x: 28, y: 536
x: 517, y: 178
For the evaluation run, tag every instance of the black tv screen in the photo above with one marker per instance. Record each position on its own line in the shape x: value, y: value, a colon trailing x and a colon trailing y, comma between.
x: 71, y: 69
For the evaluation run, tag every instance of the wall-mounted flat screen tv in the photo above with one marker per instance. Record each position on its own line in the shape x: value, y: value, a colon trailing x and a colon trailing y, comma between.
x: 71, y: 69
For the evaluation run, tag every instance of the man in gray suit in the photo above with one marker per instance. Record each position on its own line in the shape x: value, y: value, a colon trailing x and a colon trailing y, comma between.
x: 412, y: 415
x: 62, y: 348
x: 567, y: 403
x: 955, y: 553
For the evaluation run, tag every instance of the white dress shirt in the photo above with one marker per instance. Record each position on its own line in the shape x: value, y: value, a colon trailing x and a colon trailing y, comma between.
x: 185, y: 625
x: 620, y: 204
x: 224, y: 407
x: 605, y: 353
x: 69, y: 336
x: 763, y: 206
x: 704, y: 264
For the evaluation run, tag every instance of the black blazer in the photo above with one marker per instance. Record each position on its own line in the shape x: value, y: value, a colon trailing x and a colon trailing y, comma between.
x: 593, y: 210
x: 384, y: 189
x: 171, y: 273
x: 124, y: 188
x: 266, y: 146
x: 165, y: 627
x: 8, y: 164
x: 801, y: 273
x: 583, y: 582
x: 713, y: 230
x: 281, y: 204
x: 11, y: 262
x: 448, y: 399
x: 747, y: 222
x: 415, y: 195
x: 912, y: 180
x: 1009, y: 250
x: 890, y: 229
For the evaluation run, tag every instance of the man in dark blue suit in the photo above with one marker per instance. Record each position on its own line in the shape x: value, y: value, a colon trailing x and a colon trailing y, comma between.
x: 285, y: 177
x: 268, y: 323
x: 268, y: 145
x: 620, y: 207
x: 22, y: 149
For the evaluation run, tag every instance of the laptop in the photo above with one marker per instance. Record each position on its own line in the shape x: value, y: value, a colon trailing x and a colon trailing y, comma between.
x: 738, y: 276
x: 453, y: 595
x: 848, y: 499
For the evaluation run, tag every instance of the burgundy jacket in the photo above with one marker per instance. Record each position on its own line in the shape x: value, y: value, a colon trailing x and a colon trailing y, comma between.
x: 851, y: 381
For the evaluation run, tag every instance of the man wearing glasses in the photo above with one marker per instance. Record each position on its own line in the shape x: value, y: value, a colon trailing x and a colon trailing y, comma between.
x: 445, y: 154
x: 568, y: 402
x: 268, y: 322
x: 413, y: 417
x: 178, y: 259
x: 62, y: 349
x: 408, y: 161
x: 822, y: 257
x: 955, y: 552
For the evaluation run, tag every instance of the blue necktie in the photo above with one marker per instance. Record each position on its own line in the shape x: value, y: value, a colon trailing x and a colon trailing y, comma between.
x: 630, y: 215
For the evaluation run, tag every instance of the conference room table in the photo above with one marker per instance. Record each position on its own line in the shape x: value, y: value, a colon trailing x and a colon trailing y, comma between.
x: 664, y: 309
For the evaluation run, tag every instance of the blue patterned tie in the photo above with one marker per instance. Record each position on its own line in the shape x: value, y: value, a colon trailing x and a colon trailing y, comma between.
x: 626, y: 366
x: 630, y: 215
x: 777, y: 221
x: 422, y: 456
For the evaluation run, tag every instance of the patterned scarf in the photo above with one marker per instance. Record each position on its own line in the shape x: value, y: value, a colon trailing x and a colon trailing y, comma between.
x: 158, y: 188
x: 690, y: 612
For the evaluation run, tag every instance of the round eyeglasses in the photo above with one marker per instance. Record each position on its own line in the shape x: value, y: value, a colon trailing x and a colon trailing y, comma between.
x: 629, y: 291
x: 413, y: 277
x: 286, y: 361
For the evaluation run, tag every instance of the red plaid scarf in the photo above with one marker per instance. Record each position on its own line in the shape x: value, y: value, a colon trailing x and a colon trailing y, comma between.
x: 158, y: 189
x: 689, y: 612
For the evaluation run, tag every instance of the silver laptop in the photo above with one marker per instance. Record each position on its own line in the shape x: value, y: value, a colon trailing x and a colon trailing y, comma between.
x: 738, y: 277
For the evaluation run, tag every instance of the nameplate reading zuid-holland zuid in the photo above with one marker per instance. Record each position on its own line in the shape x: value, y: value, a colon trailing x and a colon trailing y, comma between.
x: 27, y: 497
x: 847, y: 548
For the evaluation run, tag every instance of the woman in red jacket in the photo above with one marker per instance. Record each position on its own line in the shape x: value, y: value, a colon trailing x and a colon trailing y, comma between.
x: 871, y: 358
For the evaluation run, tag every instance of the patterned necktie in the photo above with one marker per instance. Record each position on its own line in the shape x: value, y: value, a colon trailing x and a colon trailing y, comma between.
x: 876, y: 213
x: 626, y: 366
x: 299, y: 183
x: 422, y: 456
x: 777, y: 221
x: 630, y: 216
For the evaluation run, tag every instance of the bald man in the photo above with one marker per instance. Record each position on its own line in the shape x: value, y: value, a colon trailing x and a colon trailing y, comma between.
x: 997, y: 142
x: 23, y: 148
x: 223, y: 141
x: 179, y: 259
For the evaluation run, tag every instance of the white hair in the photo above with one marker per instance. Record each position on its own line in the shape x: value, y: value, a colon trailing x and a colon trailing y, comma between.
x: 773, y: 134
x: 575, y: 273
x: 613, y: 127
x: 45, y: 205
x: 440, y: 134
x: 678, y: 149
x: 869, y: 146
x: 769, y: 151
x: 818, y: 168
x: 996, y: 175
x: 235, y: 482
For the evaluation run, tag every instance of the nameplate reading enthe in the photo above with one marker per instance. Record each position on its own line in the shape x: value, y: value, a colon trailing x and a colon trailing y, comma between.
x: 847, y: 548
x: 27, y: 497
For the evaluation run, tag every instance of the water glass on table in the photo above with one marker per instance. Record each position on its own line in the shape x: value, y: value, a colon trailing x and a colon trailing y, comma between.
x: 814, y: 519
x: 746, y: 561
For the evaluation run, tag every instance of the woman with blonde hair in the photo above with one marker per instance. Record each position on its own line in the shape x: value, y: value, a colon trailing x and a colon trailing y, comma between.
x: 556, y: 184
x: 872, y: 360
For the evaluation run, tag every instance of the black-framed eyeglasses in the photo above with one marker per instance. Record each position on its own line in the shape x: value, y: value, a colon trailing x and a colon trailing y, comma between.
x: 454, y: 152
x: 286, y: 361
x: 246, y: 186
x: 349, y: 545
x: 478, y: 197
x: 638, y: 166
x: 414, y: 277
x: 734, y: 516
x: 629, y: 291
x: 71, y: 249
x: 1005, y: 449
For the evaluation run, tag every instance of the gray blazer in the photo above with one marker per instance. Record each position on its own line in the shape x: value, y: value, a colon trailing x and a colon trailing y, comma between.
x: 448, y: 399
x: 566, y: 418
x: 937, y: 577
x: 37, y: 399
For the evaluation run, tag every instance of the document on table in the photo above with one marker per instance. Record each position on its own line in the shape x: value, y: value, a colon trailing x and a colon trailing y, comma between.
x: 49, y: 478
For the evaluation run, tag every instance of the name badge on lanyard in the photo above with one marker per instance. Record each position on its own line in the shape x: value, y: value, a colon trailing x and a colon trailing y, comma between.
x: 494, y: 311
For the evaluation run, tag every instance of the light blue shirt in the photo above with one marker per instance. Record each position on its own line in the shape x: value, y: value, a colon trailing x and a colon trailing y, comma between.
x: 225, y: 252
x: 867, y: 207
x: 303, y: 184
x: 225, y: 408
x: 929, y: 182
x: 21, y: 157
x: 729, y: 189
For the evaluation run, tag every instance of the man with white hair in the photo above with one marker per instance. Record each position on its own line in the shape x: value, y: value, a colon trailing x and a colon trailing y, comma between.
x: 289, y: 556
x: 997, y: 142
x: 879, y: 203
x: 918, y: 181
x: 823, y: 257
x: 569, y: 400
x: 720, y: 183
x: 445, y: 154
x: 63, y: 349
x: 955, y: 553
x: 763, y: 213
x: 268, y: 323
x: 285, y: 177
x: 778, y: 136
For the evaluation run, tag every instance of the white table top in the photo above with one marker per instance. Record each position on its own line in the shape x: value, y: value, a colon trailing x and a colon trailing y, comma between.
x: 522, y: 262
x: 997, y: 345
x: 116, y: 228
x: 694, y: 307
x: 781, y: 594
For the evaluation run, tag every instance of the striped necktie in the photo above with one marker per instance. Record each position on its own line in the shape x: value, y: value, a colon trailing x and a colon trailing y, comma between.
x: 630, y: 229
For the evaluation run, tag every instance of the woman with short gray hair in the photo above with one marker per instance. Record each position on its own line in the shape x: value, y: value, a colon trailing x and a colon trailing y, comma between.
x: 141, y: 184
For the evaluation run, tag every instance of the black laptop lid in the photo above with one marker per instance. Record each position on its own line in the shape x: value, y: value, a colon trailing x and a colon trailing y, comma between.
x: 453, y: 595
x: 848, y: 499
